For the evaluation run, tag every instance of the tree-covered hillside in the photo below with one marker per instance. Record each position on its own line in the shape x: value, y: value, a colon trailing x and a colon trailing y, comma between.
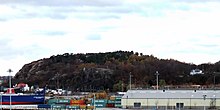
x: 111, y: 71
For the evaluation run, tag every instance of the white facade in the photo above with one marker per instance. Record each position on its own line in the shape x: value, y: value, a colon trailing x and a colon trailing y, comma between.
x: 26, y: 88
x: 196, y: 71
x: 171, y: 99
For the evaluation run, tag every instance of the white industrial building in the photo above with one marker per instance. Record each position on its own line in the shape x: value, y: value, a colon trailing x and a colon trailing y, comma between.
x: 171, y: 99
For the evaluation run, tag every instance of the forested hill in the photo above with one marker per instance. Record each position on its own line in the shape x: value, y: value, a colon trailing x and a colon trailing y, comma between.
x: 111, y: 71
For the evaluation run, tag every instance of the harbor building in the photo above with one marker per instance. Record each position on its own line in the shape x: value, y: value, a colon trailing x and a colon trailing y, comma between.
x: 171, y: 99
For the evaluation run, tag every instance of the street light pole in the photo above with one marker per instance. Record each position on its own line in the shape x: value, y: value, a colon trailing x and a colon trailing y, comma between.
x: 204, y: 97
x: 157, y: 74
x: 191, y: 101
x: 9, y: 71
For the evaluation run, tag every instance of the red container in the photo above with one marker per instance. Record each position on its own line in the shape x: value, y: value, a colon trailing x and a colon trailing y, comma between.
x: 110, y: 105
x: 77, y: 102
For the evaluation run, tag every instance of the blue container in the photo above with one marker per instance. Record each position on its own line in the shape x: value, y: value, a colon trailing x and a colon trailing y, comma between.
x: 100, y: 101
x: 111, y: 101
x: 100, y: 105
x: 59, y: 106
x: 52, y: 101
x: 63, y: 101
x: 72, y: 107
x: 118, y: 105
x: 118, y: 98
x: 117, y: 102
x: 44, y: 106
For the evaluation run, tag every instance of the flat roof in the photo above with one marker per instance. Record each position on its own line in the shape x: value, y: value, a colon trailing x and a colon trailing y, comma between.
x: 169, y: 94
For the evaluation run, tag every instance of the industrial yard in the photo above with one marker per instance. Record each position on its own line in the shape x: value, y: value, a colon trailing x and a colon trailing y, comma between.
x: 132, y: 99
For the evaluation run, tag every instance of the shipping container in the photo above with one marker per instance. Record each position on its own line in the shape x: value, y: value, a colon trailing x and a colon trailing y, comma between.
x: 77, y: 102
x: 63, y: 101
x: 83, y: 106
x: 118, y: 98
x: 90, y: 107
x: 104, y: 101
x: 44, y: 106
x: 58, y: 106
x: 88, y: 101
x: 118, y: 105
x: 112, y: 98
x: 52, y: 101
x: 111, y: 101
x: 100, y: 105
x: 72, y: 107
x: 59, y: 101
x: 118, y: 102
x: 110, y: 105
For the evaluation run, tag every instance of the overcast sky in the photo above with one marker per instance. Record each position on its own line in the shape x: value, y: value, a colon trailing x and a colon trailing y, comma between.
x: 185, y: 30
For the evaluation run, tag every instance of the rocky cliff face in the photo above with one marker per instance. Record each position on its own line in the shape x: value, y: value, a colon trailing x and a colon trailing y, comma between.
x: 62, y: 75
x: 34, y: 73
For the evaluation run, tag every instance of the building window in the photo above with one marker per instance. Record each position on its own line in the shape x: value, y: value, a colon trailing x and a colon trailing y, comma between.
x: 137, y: 105
x: 179, y: 105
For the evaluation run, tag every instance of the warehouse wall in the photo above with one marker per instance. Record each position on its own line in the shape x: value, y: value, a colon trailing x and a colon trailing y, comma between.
x: 170, y: 103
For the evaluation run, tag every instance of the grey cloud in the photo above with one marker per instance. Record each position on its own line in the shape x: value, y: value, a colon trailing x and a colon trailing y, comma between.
x: 115, y: 9
x: 86, y: 9
x: 195, y: 1
x: 30, y: 12
x: 52, y: 15
x: 91, y: 12
x: 105, y: 28
x: 94, y: 37
x: 7, y: 52
x: 4, y: 42
x: 198, y: 48
x: 3, y: 19
x: 50, y: 33
x: 65, y: 3
x: 158, y: 9
x: 191, y: 50
x: 54, y: 9
x: 87, y: 12
x: 107, y: 17
x: 96, y: 17
x: 215, y: 36
x: 208, y: 45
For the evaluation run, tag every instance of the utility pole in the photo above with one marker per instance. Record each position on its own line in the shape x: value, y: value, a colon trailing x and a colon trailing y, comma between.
x: 130, y: 80
x: 122, y: 86
x: 214, y: 81
x: 94, y: 101
x: 9, y: 71
x: 157, y: 74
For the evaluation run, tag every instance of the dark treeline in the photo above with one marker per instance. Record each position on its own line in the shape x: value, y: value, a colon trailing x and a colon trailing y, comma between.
x: 111, y: 71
